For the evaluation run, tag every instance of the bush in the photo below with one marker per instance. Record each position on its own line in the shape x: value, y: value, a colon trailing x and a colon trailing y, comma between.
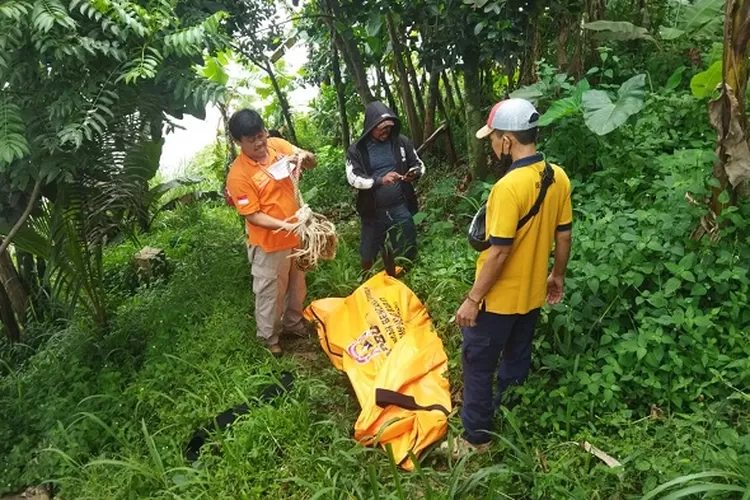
x: 325, y: 187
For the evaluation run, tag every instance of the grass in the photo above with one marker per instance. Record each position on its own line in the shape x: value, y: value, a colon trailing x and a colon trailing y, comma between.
x: 108, y: 414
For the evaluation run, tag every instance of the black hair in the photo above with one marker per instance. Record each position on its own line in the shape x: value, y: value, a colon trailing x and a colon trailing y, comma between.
x: 245, y: 123
x: 275, y: 133
x: 526, y: 137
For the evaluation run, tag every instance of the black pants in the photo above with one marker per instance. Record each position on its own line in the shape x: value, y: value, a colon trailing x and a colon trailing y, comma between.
x: 391, y: 232
x: 496, y: 335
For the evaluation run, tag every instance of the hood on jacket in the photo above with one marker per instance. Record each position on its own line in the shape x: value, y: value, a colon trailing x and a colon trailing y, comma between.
x: 376, y: 113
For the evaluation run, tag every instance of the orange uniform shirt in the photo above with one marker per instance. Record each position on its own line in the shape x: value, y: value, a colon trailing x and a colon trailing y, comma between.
x: 253, y: 190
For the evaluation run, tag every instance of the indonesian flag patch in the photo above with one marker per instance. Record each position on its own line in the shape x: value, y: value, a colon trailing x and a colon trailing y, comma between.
x: 242, y: 200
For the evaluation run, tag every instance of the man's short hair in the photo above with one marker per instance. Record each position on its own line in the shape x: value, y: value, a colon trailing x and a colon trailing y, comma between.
x: 524, y: 137
x: 245, y: 123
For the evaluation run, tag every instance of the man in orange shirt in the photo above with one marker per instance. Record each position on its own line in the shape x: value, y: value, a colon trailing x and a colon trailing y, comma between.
x: 261, y: 187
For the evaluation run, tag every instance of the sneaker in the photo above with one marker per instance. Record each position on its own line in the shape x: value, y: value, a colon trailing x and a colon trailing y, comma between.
x: 304, y: 329
x: 276, y: 350
x: 460, y: 447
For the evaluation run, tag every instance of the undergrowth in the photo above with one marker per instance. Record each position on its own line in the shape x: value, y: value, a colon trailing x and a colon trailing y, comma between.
x: 647, y: 359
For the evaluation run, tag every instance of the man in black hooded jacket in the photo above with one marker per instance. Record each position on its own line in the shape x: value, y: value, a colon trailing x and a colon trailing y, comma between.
x: 382, y: 165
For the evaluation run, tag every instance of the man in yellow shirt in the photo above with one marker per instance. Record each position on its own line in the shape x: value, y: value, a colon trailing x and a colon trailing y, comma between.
x: 500, y: 312
x: 263, y: 193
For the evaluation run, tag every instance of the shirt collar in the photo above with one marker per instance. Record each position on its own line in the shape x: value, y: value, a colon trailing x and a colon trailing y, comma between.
x: 525, y: 162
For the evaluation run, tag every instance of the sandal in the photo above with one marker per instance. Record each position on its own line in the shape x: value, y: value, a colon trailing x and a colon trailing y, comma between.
x: 276, y: 350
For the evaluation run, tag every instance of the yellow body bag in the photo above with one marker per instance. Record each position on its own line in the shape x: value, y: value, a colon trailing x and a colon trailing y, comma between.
x: 382, y: 338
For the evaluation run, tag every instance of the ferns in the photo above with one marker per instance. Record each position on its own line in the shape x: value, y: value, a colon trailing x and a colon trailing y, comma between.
x: 94, y: 121
x: 91, y: 84
x: 13, y: 144
x: 12, y: 12
x: 190, y: 41
x: 14, y: 9
x: 197, y: 91
x: 144, y: 66
x: 48, y: 13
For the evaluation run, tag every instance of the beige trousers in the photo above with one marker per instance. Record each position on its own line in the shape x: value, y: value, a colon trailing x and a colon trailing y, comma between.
x: 279, y: 289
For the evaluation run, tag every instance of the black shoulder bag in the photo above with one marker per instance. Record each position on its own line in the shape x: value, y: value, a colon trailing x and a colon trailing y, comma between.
x: 478, y: 228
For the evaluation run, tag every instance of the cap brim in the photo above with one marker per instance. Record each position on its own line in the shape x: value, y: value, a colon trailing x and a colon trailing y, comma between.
x: 483, y: 132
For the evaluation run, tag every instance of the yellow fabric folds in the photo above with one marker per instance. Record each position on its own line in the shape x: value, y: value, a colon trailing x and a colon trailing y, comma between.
x: 382, y: 338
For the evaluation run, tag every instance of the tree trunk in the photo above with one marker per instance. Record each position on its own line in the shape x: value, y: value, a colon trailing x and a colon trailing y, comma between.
x: 386, y: 88
x: 231, y: 145
x: 561, y: 47
x: 27, y: 272
x: 419, y: 101
x: 450, y: 145
x: 457, y: 88
x: 433, y: 94
x: 448, y: 91
x: 529, y: 74
x: 411, y: 111
x: 12, y: 330
x: 340, y: 94
x: 474, y: 120
x: 728, y: 113
x: 13, y: 286
x: 596, y: 10
x: 352, y: 57
x: 291, y: 133
x: 576, y: 65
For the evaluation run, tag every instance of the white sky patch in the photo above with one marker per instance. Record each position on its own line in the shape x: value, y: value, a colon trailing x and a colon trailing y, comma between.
x: 183, y: 144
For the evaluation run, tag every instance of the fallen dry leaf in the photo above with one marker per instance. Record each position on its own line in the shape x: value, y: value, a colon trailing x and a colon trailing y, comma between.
x: 611, y: 462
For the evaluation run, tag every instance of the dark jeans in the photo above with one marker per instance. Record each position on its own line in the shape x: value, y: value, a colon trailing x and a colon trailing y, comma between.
x: 391, y: 231
x: 496, y: 335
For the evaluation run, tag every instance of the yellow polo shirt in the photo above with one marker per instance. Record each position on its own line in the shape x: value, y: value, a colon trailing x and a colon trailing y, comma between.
x: 522, y: 286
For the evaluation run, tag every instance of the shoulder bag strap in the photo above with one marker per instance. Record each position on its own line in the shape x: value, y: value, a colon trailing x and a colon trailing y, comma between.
x: 548, y: 177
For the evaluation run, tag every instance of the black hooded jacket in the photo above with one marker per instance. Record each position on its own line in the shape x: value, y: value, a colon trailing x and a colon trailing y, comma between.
x: 358, y: 171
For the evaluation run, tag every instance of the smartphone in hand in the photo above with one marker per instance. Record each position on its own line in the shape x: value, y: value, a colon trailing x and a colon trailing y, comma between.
x: 412, y: 174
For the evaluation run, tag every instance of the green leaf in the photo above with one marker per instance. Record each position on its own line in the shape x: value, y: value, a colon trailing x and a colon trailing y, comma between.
x: 602, y: 116
x: 670, y: 33
x: 703, y: 18
x: 656, y: 493
x: 559, y: 109
x: 671, y: 286
x: 675, y: 79
x: 419, y: 217
x: 214, y: 71
x: 618, y: 30
x: 581, y: 87
x: 13, y: 143
x: 687, y: 261
x: 690, y: 491
x: 374, y: 25
x: 530, y: 92
x: 704, y: 83
x: 478, y: 28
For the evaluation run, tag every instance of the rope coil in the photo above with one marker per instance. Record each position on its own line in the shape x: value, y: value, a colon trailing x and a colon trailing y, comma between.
x: 317, y: 235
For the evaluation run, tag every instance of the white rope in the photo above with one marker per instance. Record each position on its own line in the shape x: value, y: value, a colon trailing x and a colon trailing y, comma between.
x: 317, y: 235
